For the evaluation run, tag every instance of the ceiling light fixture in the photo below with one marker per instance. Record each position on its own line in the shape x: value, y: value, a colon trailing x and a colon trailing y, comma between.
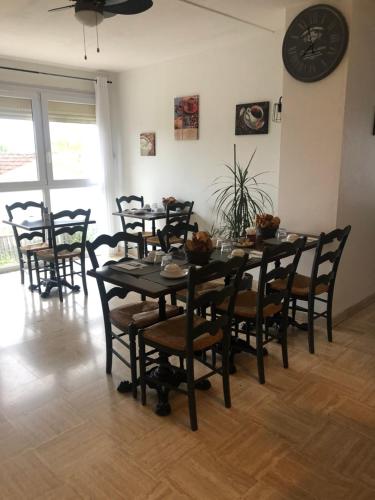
x: 89, y: 16
x: 91, y: 13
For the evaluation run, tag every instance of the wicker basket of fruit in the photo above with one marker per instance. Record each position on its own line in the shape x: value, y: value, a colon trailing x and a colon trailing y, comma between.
x: 199, y: 248
x: 267, y: 225
x: 170, y: 200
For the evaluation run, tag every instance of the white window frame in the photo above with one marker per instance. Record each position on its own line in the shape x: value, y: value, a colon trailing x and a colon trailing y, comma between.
x: 39, y: 97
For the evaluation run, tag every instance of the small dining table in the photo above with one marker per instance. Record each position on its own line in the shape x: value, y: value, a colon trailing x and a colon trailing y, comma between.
x: 37, y: 224
x: 148, y: 215
x: 148, y: 282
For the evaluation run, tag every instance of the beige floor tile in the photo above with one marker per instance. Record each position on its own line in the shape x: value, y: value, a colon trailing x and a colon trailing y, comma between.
x: 66, y: 432
x: 25, y: 477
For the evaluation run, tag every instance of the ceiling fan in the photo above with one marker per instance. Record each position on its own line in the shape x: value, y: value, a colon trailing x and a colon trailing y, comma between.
x: 92, y: 12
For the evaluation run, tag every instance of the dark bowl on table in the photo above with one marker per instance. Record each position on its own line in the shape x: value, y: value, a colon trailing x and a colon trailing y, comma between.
x: 198, y: 258
x: 265, y: 233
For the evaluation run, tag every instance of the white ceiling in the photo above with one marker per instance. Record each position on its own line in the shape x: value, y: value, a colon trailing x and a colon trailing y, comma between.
x: 170, y: 29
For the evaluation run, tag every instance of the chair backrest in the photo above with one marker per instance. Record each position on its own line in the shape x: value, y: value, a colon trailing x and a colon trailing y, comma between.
x: 110, y: 242
x: 180, y: 211
x: 272, y: 256
x: 232, y: 271
x: 122, y: 204
x: 71, y: 236
x: 28, y: 206
x: 336, y: 237
x: 178, y: 229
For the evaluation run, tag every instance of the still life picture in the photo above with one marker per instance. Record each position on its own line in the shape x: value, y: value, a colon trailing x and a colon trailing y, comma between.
x: 147, y: 144
x: 252, y: 118
x: 186, y: 118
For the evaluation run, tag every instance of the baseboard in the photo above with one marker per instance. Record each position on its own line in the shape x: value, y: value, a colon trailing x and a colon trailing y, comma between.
x: 350, y: 311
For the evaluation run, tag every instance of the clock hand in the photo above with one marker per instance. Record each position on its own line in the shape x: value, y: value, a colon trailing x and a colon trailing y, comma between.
x: 308, y: 48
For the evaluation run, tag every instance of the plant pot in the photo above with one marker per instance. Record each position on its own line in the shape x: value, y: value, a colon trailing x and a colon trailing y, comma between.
x: 198, y: 258
x: 265, y: 233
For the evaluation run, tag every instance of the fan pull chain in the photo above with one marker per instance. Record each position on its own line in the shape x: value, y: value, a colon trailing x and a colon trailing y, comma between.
x: 97, y: 35
x: 84, y: 42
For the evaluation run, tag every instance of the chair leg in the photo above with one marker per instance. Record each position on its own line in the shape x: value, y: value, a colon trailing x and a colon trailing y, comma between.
x: 71, y: 270
x: 259, y: 349
x: 310, y: 325
x: 191, y: 392
x: 329, y: 317
x: 142, y: 367
x: 294, y: 309
x: 64, y: 268
x: 30, y: 270
x: 37, y: 272
x: 58, y: 279
x: 225, y: 370
x: 108, y: 345
x: 284, y: 341
x: 133, y: 359
x: 22, y: 271
x: 83, y: 273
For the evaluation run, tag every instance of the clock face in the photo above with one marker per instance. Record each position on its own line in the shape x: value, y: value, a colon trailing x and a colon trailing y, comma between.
x: 315, y: 43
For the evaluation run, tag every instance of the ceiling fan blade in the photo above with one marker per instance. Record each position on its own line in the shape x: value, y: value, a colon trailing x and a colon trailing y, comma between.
x: 128, y: 7
x: 114, y: 2
x: 61, y: 8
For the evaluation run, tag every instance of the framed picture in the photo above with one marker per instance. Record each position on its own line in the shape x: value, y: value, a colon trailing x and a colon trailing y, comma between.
x: 252, y: 118
x: 147, y: 144
x: 186, y: 118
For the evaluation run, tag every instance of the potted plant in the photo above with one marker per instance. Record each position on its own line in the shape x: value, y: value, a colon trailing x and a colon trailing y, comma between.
x: 239, y: 197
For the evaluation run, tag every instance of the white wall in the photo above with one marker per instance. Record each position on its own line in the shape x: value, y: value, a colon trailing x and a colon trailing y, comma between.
x: 356, y: 204
x: 311, y: 145
x: 327, y: 175
x: 246, y: 72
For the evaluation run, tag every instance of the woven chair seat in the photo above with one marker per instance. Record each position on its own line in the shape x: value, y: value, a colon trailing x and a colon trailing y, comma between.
x: 246, y: 306
x: 173, y: 240
x: 140, y: 314
x: 172, y: 334
x: 300, y: 286
x: 200, y: 289
x: 146, y: 234
x: 32, y: 247
x: 64, y: 254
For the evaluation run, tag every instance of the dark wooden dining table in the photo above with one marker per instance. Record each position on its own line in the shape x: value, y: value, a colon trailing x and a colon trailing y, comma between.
x: 37, y: 224
x: 148, y: 282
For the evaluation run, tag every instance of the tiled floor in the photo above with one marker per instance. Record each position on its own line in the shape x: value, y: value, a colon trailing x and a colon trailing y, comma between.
x: 66, y: 433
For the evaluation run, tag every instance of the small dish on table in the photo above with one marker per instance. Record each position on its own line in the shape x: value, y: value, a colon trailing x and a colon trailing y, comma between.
x: 173, y: 271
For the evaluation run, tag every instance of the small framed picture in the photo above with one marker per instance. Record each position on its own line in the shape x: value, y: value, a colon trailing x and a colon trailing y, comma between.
x: 186, y: 118
x: 252, y: 118
x: 147, y: 144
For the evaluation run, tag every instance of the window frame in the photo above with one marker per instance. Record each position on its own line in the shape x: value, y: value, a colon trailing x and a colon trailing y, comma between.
x: 39, y: 97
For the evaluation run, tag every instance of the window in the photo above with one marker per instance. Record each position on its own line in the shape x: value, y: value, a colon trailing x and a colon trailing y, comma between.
x: 48, y: 151
x: 74, y: 139
x: 17, y: 140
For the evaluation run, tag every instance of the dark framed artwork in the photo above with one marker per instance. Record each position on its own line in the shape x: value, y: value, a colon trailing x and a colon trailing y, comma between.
x: 147, y: 144
x: 252, y: 118
x: 186, y: 118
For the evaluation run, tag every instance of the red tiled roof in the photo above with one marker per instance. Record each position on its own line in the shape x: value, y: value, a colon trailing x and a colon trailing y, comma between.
x: 9, y: 162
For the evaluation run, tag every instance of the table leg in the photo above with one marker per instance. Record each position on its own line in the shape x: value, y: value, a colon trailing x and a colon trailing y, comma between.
x: 51, y: 283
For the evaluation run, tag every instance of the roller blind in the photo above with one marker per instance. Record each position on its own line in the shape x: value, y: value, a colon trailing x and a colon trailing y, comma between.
x: 68, y: 112
x: 13, y: 108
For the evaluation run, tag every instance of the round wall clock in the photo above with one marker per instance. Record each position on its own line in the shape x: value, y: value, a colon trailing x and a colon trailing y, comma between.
x: 315, y: 43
